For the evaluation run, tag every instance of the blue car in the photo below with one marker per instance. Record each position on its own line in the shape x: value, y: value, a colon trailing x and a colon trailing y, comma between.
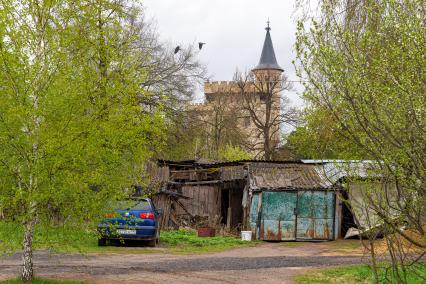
x: 131, y: 220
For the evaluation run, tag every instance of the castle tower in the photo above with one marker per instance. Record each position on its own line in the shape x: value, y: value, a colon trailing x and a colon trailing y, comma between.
x: 268, y: 81
x: 268, y: 61
x: 227, y: 117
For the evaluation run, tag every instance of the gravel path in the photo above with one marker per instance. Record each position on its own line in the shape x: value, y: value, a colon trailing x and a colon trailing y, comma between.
x: 268, y: 263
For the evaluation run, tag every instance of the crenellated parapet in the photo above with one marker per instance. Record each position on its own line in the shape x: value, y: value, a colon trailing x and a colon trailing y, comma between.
x: 220, y: 87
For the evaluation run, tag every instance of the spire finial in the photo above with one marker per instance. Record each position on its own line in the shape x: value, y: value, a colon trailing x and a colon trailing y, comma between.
x: 268, y: 28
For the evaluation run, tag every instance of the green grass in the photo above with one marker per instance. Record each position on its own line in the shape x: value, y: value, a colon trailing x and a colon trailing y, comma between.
x: 356, y: 274
x: 81, y: 240
x: 186, y: 242
x: 62, y: 239
x: 42, y: 281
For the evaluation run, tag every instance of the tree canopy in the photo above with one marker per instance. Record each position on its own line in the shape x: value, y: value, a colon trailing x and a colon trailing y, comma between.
x: 363, y: 64
x: 84, y: 103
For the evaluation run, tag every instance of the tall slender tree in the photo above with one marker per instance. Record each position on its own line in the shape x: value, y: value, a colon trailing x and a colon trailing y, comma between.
x: 261, y: 95
x: 76, y: 121
x: 363, y: 63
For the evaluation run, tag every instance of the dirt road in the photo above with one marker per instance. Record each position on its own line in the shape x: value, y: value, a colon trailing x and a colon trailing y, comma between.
x: 267, y: 263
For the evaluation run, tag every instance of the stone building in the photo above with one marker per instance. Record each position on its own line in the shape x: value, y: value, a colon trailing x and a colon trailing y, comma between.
x: 249, y: 106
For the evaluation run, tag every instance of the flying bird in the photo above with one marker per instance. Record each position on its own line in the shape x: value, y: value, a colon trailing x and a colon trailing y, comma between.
x: 200, y: 45
x: 177, y: 49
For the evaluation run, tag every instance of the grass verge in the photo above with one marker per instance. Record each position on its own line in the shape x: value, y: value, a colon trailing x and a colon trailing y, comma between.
x: 187, y: 242
x: 84, y: 240
x: 356, y: 274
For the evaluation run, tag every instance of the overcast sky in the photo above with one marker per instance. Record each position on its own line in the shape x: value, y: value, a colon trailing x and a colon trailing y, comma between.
x: 233, y: 30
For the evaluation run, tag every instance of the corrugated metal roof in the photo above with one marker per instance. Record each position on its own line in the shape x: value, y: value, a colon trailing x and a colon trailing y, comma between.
x: 284, y: 175
x: 212, y: 163
x: 287, y: 177
x: 335, y: 170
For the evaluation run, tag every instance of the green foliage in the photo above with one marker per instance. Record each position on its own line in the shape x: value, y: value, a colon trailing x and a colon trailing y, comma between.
x: 363, y: 80
x: 362, y: 64
x: 56, y: 238
x: 319, y: 138
x: 182, y: 139
x: 205, y: 131
x: 357, y: 274
x: 185, y: 241
x: 76, y: 124
x: 84, y: 238
x: 233, y: 153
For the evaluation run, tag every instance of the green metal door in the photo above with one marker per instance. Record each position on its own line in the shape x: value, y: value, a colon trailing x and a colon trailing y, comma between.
x: 315, y: 215
x: 278, y: 218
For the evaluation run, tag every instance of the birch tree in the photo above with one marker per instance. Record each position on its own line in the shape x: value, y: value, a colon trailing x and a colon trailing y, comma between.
x: 75, y: 126
x: 363, y: 62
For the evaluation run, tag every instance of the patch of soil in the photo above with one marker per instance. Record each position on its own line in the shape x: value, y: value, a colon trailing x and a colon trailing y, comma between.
x: 267, y: 262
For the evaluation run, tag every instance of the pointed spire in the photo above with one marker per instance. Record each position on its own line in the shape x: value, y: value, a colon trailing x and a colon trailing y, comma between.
x: 267, y: 59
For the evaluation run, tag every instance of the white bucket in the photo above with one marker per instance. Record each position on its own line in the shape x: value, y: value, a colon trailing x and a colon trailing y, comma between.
x: 246, y: 236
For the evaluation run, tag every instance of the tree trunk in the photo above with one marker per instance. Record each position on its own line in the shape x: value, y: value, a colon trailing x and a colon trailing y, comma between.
x: 27, y: 256
x: 267, y: 145
x: 373, y: 259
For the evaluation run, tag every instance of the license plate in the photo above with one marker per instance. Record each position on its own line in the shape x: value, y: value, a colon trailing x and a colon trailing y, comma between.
x: 126, y: 232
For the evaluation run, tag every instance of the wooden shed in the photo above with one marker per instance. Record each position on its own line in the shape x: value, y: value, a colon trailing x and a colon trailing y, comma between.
x: 209, y: 191
x: 292, y: 202
x: 277, y: 200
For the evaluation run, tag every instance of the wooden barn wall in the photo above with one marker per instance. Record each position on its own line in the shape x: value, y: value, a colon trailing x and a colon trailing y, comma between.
x: 163, y: 202
x: 204, y: 200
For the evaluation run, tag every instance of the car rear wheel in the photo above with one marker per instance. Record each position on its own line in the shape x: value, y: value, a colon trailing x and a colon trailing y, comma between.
x: 102, y: 242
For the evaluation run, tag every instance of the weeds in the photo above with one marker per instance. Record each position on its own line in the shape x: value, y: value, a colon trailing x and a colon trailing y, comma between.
x: 78, y: 240
x: 185, y: 241
x: 356, y: 274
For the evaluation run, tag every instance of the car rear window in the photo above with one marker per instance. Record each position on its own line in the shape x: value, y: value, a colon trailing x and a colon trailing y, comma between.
x: 133, y: 205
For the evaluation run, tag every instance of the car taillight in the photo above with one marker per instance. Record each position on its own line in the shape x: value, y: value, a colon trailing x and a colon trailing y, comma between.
x: 147, y: 215
x: 109, y: 215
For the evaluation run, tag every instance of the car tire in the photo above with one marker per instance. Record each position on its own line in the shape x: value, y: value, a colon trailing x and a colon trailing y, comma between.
x: 102, y: 242
x: 152, y: 243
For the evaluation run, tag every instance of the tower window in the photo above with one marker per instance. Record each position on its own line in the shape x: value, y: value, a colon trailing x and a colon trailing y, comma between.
x: 247, y: 121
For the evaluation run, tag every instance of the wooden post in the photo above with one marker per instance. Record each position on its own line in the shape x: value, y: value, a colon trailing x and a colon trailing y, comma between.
x: 229, y: 219
x: 258, y: 229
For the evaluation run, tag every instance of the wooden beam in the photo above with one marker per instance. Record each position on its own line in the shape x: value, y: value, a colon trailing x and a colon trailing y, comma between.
x: 184, y: 209
x: 196, y: 182
x: 196, y: 170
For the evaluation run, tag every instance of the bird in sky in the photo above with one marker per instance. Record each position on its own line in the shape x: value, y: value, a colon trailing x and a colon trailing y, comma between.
x: 200, y: 45
x: 177, y: 49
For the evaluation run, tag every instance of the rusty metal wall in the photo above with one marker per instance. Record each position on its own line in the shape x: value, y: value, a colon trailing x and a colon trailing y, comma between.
x: 315, y: 215
x: 293, y: 215
x: 278, y: 219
